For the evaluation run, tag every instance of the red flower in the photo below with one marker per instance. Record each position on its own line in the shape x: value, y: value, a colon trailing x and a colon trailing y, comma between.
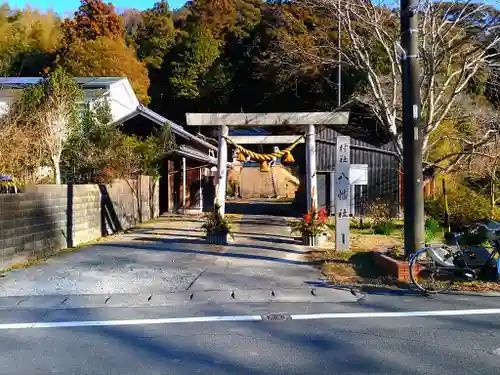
x: 322, y: 212
x: 307, y: 218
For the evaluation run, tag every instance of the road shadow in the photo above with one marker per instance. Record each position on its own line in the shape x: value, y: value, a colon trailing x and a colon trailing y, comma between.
x: 225, y: 253
x: 262, y: 221
x: 256, y: 207
x: 277, y: 236
x: 194, y: 348
x: 201, y: 240
x: 367, y: 289
x: 180, y: 218
x: 110, y: 222
x: 269, y: 238
x: 174, y: 234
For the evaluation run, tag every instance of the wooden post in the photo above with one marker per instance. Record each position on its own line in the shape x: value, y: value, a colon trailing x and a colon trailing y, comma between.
x: 200, y: 194
x: 352, y: 197
x: 446, y: 214
x: 311, y: 186
x: 332, y: 194
x: 184, y: 185
x: 220, y: 197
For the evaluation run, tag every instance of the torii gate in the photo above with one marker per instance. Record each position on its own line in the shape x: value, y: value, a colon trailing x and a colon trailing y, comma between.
x: 307, y: 119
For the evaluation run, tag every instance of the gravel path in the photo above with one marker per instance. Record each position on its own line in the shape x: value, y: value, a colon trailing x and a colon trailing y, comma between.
x: 169, y: 255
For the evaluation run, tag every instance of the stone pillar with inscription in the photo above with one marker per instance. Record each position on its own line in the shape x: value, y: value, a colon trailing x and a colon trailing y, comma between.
x: 342, y: 192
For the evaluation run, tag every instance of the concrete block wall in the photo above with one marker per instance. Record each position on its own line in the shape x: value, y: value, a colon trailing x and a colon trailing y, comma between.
x: 47, y: 218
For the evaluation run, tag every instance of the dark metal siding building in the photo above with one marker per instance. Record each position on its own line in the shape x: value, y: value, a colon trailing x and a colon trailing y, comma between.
x: 383, y: 171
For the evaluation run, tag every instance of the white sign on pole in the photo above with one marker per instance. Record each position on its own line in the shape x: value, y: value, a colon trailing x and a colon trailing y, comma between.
x: 342, y: 192
x: 358, y: 176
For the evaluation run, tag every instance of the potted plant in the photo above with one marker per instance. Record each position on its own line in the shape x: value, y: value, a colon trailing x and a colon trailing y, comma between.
x: 217, y: 228
x: 312, y: 227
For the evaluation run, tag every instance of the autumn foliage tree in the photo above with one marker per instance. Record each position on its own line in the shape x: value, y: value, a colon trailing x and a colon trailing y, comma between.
x: 106, y: 57
x: 29, y: 40
x: 92, y: 20
x: 94, y: 45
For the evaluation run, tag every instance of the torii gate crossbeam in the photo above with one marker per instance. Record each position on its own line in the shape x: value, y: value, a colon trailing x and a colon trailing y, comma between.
x: 307, y: 119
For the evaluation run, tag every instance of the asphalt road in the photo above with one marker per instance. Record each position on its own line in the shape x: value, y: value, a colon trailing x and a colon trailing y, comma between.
x: 159, y: 301
x: 333, y: 344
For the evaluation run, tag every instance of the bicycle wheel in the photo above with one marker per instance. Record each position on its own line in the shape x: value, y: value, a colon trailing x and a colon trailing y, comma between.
x: 426, y: 274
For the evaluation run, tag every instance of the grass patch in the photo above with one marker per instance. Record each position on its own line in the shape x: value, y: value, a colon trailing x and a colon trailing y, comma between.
x: 477, y: 286
x: 353, y: 268
x: 356, y: 266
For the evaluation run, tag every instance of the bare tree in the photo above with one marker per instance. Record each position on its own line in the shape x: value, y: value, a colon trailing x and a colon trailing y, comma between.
x: 472, y: 133
x: 52, y: 104
x: 483, y: 175
x: 458, y: 40
x: 481, y: 165
x: 21, y: 152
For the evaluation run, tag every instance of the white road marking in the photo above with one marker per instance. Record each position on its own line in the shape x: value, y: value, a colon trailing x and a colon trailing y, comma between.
x: 496, y: 352
x: 129, y: 322
x: 247, y: 318
x: 399, y: 314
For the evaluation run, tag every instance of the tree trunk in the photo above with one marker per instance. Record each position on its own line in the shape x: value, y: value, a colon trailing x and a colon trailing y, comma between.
x: 57, y: 169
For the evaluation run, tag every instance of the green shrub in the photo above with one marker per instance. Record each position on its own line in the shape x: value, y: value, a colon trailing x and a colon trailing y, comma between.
x: 432, y: 227
x: 384, y: 227
x: 435, y: 208
x: 464, y: 207
x: 474, y: 238
x: 359, y: 223
x: 216, y: 223
x: 381, y: 220
x: 475, y: 235
x: 432, y: 224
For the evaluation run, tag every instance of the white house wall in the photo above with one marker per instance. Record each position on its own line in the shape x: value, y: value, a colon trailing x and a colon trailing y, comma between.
x: 4, y: 106
x: 120, y: 95
x: 122, y: 100
x: 6, y: 99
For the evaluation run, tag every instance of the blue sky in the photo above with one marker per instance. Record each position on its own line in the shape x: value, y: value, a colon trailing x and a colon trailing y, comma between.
x: 67, y: 7
x: 64, y: 7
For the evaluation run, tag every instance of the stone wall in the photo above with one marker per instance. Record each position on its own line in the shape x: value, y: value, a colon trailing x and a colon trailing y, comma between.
x: 47, y: 218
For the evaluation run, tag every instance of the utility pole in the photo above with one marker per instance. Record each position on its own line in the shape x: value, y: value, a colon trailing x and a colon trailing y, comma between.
x: 339, y: 69
x: 412, y: 146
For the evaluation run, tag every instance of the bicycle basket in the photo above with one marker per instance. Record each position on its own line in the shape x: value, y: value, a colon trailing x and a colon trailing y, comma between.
x: 439, y: 254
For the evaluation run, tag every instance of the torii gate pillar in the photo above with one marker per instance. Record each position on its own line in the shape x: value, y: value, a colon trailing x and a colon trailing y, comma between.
x: 220, y: 197
x: 311, y: 181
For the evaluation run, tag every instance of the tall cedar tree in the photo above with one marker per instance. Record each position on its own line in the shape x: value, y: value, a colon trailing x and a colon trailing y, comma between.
x: 154, y: 34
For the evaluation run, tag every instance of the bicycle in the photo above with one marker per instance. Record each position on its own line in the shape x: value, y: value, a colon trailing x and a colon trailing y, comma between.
x: 450, y: 264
